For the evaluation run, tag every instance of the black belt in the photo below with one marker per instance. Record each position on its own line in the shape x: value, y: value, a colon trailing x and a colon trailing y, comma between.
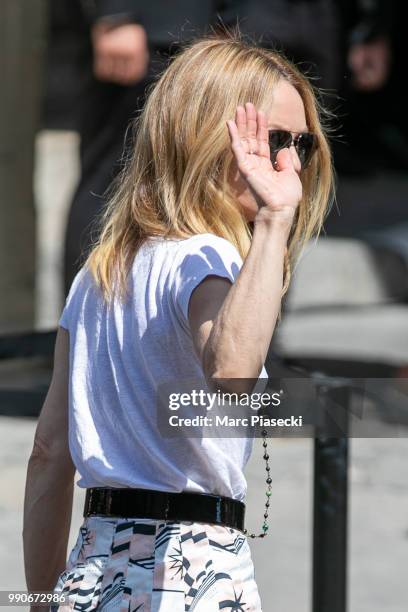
x: 148, y: 503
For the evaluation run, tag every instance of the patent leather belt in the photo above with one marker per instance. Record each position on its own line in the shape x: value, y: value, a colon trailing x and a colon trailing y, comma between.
x: 148, y: 503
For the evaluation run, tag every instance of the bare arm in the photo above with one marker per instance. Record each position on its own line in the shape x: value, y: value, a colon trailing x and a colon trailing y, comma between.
x: 49, y: 483
x: 232, y: 325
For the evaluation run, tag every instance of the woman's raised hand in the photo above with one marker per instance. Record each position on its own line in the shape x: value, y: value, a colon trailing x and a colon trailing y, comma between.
x: 278, y: 188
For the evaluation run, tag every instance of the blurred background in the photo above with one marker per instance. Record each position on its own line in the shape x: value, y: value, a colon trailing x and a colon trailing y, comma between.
x: 74, y: 74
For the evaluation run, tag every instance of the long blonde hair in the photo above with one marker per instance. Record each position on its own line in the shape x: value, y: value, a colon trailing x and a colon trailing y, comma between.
x: 175, y: 182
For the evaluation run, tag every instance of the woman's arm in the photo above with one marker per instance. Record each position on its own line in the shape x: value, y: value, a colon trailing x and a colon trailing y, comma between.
x: 232, y: 325
x: 49, y: 483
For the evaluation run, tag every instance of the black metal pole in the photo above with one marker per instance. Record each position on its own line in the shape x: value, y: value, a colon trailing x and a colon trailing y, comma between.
x: 330, y: 510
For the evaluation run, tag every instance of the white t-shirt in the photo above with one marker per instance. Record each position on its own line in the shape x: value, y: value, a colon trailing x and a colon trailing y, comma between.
x: 118, y: 357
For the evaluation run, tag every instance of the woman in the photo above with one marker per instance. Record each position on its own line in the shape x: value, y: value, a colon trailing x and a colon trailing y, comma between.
x: 186, y: 279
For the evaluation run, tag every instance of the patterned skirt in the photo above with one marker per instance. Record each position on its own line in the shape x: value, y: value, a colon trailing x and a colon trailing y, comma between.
x: 147, y: 565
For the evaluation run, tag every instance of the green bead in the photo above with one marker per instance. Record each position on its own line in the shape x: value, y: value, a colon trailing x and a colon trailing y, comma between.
x: 265, y: 527
x: 268, y: 493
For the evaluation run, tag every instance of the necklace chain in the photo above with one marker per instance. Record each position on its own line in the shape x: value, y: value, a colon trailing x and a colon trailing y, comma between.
x: 268, y: 491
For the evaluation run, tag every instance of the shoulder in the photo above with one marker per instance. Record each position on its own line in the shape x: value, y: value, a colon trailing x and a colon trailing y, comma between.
x: 207, y: 247
x: 198, y: 257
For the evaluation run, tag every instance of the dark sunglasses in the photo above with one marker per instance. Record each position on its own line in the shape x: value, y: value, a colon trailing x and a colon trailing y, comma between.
x: 305, y: 144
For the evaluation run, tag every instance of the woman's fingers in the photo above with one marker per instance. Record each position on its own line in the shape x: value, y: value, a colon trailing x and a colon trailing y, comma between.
x: 252, y: 127
x: 236, y: 143
x: 249, y: 133
x: 262, y: 135
x: 262, y: 127
x: 241, y: 122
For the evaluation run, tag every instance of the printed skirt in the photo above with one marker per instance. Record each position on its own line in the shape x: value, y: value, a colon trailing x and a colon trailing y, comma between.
x: 147, y: 565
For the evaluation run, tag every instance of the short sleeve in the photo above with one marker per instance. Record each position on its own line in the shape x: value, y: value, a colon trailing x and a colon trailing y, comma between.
x: 198, y: 257
x: 65, y: 317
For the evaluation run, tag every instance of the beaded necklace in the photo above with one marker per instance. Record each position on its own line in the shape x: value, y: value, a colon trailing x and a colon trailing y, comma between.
x: 268, y: 493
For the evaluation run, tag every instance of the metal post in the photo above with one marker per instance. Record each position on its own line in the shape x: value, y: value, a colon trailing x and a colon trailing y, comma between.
x: 22, y: 40
x: 330, y: 511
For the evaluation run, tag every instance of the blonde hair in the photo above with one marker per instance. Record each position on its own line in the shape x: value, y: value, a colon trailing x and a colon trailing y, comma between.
x: 175, y: 182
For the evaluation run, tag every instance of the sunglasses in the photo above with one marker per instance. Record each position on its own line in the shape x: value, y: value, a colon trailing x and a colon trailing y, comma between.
x: 305, y: 144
